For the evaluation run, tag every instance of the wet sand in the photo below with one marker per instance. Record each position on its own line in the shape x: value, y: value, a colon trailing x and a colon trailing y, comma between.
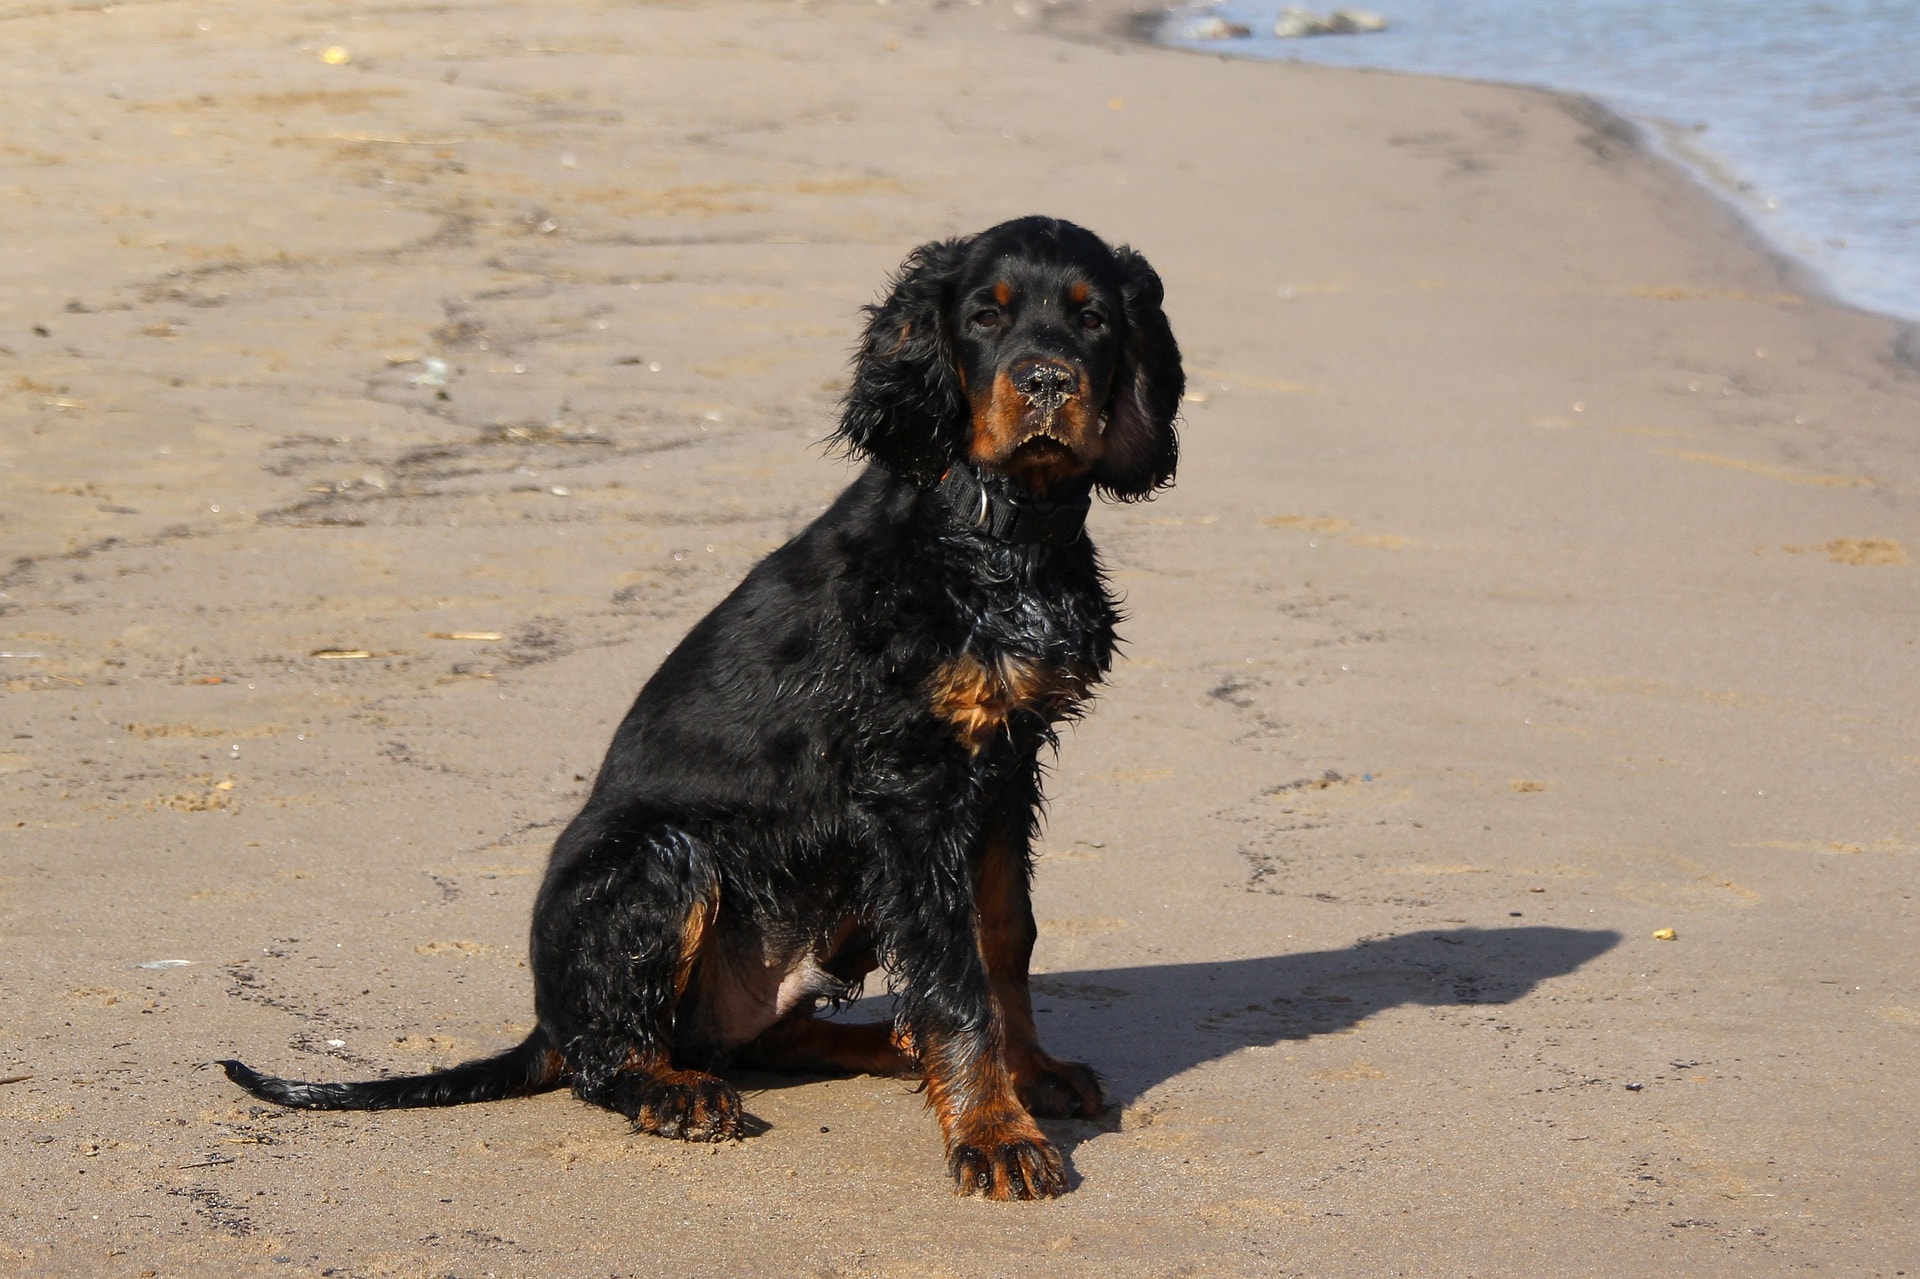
x: 1540, y: 576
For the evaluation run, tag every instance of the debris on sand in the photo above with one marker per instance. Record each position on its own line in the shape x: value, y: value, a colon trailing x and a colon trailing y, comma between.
x: 433, y: 372
x: 1295, y: 22
x: 1212, y: 26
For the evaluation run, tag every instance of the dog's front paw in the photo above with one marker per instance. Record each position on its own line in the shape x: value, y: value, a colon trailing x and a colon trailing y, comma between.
x: 688, y: 1104
x: 1012, y: 1167
x: 1055, y: 1089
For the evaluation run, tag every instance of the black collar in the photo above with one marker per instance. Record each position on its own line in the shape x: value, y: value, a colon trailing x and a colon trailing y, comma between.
x: 995, y: 511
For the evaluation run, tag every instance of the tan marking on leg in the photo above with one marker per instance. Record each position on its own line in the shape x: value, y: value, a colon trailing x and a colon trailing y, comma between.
x: 693, y: 935
x: 1006, y: 932
x: 993, y: 1145
x: 801, y: 1043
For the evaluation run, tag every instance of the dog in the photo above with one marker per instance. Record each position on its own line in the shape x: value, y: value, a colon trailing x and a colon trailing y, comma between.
x: 839, y: 768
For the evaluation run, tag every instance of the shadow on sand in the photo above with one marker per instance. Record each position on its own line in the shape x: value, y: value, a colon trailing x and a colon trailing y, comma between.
x: 1142, y: 1026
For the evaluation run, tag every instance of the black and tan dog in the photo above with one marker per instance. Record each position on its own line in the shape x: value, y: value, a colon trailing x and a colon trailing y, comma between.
x: 838, y: 768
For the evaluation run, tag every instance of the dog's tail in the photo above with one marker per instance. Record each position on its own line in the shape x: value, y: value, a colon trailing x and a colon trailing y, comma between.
x: 533, y: 1066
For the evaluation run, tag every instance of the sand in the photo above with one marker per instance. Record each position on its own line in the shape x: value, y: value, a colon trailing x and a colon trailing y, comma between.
x: 1540, y: 575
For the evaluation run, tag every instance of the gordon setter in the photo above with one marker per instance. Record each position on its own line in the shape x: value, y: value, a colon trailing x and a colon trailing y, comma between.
x: 838, y: 769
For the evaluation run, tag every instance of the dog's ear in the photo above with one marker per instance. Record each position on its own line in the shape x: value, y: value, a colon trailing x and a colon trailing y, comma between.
x: 1142, y: 446
x: 906, y: 408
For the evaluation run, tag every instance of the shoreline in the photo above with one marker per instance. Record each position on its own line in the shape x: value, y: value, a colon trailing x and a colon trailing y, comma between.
x: 1661, y: 138
x: 1516, y: 708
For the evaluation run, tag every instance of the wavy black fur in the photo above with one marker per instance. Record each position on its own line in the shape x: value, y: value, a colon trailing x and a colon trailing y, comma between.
x: 840, y: 766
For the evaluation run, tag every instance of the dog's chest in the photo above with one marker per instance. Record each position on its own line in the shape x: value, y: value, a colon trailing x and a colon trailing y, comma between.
x: 976, y: 696
x: 1035, y: 635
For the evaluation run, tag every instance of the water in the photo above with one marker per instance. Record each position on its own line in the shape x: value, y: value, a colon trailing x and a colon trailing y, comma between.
x: 1806, y: 114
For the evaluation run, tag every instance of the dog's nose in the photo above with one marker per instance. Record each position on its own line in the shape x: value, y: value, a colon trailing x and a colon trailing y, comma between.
x: 1043, y: 379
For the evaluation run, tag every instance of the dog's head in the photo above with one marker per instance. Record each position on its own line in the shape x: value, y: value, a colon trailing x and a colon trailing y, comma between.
x: 1034, y: 351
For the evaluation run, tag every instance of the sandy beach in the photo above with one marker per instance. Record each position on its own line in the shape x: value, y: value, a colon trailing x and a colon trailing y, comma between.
x: 1494, y: 857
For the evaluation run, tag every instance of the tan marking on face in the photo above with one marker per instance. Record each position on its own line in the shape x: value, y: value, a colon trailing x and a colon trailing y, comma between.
x: 997, y: 409
x: 1003, y: 293
x: 1004, y: 419
x: 977, y: 698
x: 1079, y: 293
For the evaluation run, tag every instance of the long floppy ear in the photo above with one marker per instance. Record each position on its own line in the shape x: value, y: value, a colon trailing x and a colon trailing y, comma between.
x: 1142, y: 446
x: 906, y: 408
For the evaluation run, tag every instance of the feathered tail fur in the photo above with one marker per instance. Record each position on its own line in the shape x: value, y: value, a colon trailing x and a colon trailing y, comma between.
x: 531, y: 1067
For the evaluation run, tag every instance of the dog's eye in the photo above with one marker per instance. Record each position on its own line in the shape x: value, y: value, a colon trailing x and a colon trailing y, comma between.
x: 1092, y: 320
x: 986, y: 318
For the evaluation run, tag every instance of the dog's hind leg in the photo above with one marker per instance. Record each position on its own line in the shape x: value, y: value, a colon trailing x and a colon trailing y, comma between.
x: 801, y: 1043
x: 624, y: 914
x: 689, y: 1104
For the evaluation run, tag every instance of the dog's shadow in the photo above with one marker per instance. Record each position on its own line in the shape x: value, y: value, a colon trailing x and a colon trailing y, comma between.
x: 1142, y: 1026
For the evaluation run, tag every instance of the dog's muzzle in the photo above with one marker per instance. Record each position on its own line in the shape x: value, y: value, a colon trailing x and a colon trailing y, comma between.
x: 1046, y: 386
